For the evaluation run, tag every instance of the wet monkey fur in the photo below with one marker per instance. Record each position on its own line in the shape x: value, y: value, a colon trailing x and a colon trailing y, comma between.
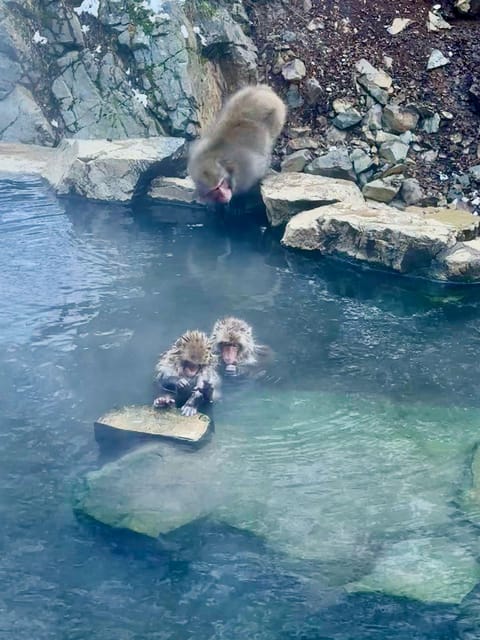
x: 236, y: 151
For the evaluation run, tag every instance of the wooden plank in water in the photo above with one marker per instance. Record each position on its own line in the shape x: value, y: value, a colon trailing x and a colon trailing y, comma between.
x: 166, y: 423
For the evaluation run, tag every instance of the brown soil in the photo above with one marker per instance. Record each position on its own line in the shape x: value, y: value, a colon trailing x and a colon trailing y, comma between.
x: 355, y: 29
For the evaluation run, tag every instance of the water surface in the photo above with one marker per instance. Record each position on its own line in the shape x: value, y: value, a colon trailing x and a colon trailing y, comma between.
x: 90, y: 296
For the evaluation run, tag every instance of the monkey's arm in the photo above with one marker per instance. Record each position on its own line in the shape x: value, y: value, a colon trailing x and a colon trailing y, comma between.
x: 203, y: 393
x: 190, y: 407
x: 173, y: 390
x: 175, y: 383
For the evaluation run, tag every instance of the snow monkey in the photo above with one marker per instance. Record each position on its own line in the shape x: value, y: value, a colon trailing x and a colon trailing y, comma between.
x: 238, y: 354
x: 236, y: 151
x: 186, y: 374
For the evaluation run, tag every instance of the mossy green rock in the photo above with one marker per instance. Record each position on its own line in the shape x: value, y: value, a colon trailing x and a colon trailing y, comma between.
x: 426, y: 569
x: 151, y: 491
x: 322, y: 478
x: 470, y: 499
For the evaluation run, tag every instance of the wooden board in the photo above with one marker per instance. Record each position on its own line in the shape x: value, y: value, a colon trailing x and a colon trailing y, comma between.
x: 165, y: 423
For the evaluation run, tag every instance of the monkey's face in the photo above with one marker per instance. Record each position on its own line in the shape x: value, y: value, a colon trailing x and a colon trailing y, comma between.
x: 190, y: 369
x: 229, y: 353
x: 214, y: 185
x: 222, y: 193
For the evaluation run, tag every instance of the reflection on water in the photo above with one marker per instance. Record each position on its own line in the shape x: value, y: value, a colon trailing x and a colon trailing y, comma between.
x: 90, y: 295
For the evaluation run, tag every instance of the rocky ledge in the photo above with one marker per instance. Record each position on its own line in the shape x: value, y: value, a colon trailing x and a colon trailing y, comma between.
x: 328, y: 216
x: 98, y: 169
x: 331, y: 217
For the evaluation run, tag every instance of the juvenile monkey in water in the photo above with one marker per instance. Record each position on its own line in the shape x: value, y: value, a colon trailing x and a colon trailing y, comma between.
x: 236, y: 151
x: 185, y: 374
x: 239, y: 356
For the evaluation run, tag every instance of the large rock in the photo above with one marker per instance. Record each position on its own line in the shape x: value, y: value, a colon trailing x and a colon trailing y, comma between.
x: 153, y: 490
x: 114, y: 171
x: 22, y: 119
x: 414, y: 241
x: 112, y: 69
x: 326, y: 478
x: 17, y: 158
x: 462, y: 262
x: 286, y: 194
x: 426, y: 569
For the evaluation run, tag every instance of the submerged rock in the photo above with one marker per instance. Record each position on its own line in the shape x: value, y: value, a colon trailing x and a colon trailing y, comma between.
x: 426, y: 569
x: 470, y: 499
x: 321, y: 477
x: 153, y: 490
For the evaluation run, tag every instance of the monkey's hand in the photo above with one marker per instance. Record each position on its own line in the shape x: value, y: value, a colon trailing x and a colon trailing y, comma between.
x: 231, y: 370
x: 163, y: 401
x: 187, y: 410
x: 207, y: 391
x: 183, y: 383
x: 190, y: 407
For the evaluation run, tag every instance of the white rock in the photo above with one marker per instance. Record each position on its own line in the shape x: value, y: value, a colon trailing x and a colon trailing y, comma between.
x: 437, y: 59
x: 378, y: 77
x: 435, y: 22
x: 398, y: 25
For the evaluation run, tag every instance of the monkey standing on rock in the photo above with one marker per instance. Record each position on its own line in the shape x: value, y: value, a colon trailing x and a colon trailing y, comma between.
x: 236, y: 151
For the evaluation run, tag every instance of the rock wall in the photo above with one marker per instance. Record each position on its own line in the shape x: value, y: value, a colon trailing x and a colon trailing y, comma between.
x: 118, y: 68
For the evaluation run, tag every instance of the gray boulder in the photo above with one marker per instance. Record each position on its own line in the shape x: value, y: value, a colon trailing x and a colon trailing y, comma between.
x: 411, y: 191
x: 296, y: 161
x: 117, y: 71
x: 381, y: 190
x: 415, y: 241
x: 116, y: 171
x: 286, y: 194
x: 334, y: 164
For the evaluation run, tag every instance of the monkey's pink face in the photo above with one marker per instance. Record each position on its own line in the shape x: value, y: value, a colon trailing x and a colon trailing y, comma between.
x: 222, y: 193
x: 229, y: 353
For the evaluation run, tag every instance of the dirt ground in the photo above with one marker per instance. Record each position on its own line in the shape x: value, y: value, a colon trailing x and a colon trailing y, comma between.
x: 354, y: 29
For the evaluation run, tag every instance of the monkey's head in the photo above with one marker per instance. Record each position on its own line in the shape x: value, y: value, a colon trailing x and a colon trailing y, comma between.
x: 232, y: 333
x: 193, y: 351
x: 212, y: 179
x: 213, y: 184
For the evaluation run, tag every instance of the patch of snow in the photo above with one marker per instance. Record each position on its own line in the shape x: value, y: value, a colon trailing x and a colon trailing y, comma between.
x: 85, y: 28
x: 88, y: 6
x: 200, y: 35
x: 154, y: 5
x: 140, y: 97
x: 184, y: 31
x: 38, y: 38
x: 54, y: 124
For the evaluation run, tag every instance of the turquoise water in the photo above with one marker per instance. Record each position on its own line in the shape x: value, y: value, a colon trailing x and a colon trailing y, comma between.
x: 377, y: 388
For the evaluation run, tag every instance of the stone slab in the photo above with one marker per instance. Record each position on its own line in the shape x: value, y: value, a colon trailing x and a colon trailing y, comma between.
x: 168, y: 423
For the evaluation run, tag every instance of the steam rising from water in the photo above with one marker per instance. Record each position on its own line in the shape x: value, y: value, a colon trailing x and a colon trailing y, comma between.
x: 90, y: 296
